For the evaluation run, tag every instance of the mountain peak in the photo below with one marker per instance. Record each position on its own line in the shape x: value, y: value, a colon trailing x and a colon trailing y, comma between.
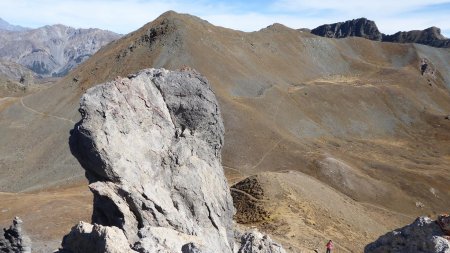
x: 365, y: 28
x: 276, y: 27
x: 360, y: 27
x: 435, y: 32
x: 431, y: 36
x: 4, y: 25
x: 177, y: 17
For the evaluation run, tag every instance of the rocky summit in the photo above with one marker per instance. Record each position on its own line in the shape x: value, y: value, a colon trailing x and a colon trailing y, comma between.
x: 360, y: 27
x: 151, y: 147
x: 367, y: 29
x: 431, y: 36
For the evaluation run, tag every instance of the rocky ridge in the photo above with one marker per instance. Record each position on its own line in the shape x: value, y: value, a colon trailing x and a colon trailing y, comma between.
x: 52, y: 50
x: 367, y: 29
x: 360, y: 27
x: 8, y: 27
x: 166, y: 191
x: 431, y: 36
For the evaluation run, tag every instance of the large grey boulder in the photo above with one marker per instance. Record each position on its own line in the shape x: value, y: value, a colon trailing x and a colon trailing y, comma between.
x: 422, y: 236
x: 14, y: 239
x: 151, y: 147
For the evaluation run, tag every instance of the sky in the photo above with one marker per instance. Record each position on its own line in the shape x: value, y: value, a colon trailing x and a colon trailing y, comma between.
x: 124, y: 16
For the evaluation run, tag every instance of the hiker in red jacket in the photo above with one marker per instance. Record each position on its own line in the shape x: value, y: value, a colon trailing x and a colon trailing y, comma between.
x: 330, y: 246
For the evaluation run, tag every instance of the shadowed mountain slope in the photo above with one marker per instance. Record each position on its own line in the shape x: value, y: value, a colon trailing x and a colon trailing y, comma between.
x: 366, y: 118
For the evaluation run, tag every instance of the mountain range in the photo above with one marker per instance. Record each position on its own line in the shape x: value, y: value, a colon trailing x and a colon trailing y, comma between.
x: 51, y: 51
x: 345, y: 138
x: 8, y: 27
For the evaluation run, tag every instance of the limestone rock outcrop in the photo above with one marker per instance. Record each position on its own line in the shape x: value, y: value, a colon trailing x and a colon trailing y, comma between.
x: 423, y: 235
x: 431, y: 36
x: 151, y: 147
x: 14, y: 240
x: 367, y: 29
x: 360, y: 27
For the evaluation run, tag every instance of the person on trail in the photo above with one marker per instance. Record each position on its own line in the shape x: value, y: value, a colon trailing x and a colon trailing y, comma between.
x: 330, y: 246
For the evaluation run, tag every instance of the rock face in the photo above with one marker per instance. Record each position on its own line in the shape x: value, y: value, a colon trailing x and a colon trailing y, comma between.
x: 423, y: 235
x: 14, y: 240
x: 52, y: 50
x: 364, y: 28
x: 431, y: 36
x: 151, y: 147
x: 360, y: 27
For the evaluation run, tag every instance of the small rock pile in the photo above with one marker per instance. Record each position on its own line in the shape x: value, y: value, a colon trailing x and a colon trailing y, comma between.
x: 248, y: 198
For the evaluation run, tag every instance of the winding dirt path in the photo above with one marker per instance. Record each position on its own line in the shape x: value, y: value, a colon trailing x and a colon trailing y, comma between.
x: 44, y: 114
x: 266, y: 154
x: 249, y: 195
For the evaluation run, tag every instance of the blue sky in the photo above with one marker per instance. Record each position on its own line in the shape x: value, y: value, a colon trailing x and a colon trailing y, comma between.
x: 124, y: 16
